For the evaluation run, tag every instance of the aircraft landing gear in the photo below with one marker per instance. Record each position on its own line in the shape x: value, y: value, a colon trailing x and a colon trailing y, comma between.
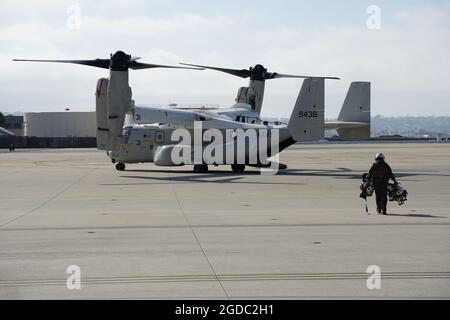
x: 238, y: 168
x: 201, y: 168
x: 120, y: 166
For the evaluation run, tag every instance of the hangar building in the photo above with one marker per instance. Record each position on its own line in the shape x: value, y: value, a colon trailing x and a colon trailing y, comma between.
x: 59, y: 124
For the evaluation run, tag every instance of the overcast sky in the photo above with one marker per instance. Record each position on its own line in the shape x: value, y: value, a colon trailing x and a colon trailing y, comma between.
x: 405, y: 54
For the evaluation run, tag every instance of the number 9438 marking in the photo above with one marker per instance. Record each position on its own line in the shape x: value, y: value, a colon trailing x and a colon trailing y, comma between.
x: 307, y: 114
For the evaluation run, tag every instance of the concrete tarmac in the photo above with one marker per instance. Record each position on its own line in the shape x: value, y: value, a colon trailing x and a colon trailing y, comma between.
x: 157, y: 232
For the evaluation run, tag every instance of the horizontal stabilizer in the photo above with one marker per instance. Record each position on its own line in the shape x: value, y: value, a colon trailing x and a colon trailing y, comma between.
x: 334, y: 125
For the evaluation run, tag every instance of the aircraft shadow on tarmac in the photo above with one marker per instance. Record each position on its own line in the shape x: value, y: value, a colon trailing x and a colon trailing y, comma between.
x: 416, y: 215
x: 340, y: 173
x: 205, y: 180
x: 343, y: 173
x: 226, y: 176
x: 219, y: 176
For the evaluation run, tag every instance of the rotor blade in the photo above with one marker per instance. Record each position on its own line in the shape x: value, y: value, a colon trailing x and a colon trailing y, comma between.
x: 280, y: 75
x: 139, y: 65
x: 243, y: 73
x: 99, y: 63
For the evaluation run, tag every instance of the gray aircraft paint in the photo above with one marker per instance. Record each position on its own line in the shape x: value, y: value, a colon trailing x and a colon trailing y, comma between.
x: 102, y: 114
x: 307, y: 119
x: 119, y: 102
x: 356, y: 108
x: 257, y: 86
x: 153, y: 143
x: 142, y: 145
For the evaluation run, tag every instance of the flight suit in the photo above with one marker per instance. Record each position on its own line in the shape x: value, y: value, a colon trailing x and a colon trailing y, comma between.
x: 381, y: 172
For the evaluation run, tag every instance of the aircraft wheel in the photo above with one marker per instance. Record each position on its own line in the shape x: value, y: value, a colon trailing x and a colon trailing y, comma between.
x: 120, y: 166
x: 200, y: 168
x: 238, y: 168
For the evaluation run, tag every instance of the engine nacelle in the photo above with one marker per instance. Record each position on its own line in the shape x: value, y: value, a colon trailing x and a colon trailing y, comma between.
x: 163, y: 156
x: 119, y: 103
x: 246, y: 95
x: 101, y: 110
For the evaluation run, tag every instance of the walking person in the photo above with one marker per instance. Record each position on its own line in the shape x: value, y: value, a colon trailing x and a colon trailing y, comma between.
x: 381, y: 172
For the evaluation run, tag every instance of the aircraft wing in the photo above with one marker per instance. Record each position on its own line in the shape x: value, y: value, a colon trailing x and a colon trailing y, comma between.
x: 218, y: 121
x: 210, y: 115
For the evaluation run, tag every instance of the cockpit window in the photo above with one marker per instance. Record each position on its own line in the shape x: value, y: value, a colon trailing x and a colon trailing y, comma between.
x: 126, y: 136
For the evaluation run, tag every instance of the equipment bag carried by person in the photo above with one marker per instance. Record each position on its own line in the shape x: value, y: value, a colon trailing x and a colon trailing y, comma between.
x: 367, y: 188
x: 397, y: 193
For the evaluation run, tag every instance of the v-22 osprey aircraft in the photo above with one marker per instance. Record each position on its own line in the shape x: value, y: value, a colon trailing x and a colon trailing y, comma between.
x: 152, y: 142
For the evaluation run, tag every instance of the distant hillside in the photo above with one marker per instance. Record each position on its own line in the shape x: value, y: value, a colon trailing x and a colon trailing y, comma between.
x: 410, y: 126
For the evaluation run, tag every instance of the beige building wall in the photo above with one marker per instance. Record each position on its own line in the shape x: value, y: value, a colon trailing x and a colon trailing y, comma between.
x: 60, y: 124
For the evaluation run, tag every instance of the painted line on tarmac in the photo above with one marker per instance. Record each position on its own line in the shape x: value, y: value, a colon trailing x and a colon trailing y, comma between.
x: 228, y: 277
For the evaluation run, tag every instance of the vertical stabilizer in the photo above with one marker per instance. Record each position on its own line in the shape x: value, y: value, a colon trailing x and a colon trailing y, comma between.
x: 356, y: 108
x: 307, y: 118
